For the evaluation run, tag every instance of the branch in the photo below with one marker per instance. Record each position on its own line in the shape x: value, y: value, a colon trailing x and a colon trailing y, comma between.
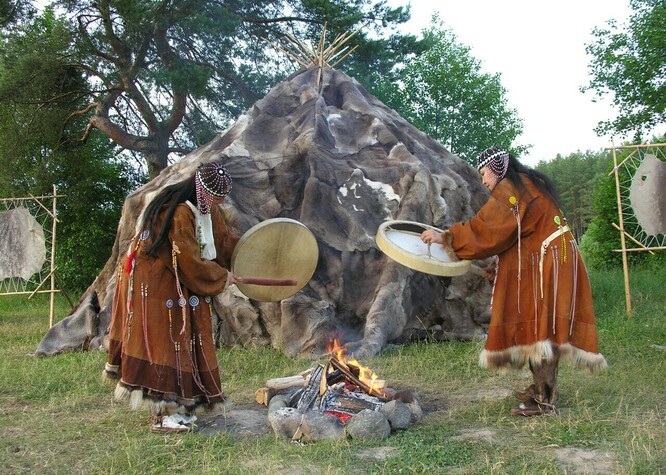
x: 121, y: 49
x: 78, y: 113
x: 179, y: 96
x: 97, y: 52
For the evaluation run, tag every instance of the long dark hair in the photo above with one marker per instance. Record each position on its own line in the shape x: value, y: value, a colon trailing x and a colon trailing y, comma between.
x: 168, y: 198
x: 540, y: 180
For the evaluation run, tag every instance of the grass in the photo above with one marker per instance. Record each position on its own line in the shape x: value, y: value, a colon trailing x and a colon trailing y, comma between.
x: 56, y: 415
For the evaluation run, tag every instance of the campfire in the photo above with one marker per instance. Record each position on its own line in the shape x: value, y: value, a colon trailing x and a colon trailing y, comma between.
x: 351, y: 396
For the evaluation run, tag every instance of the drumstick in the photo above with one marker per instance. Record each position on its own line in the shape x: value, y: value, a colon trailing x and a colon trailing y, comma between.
x: 262, y: 281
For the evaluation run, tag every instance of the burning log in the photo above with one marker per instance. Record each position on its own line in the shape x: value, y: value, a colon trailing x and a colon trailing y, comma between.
x: 349, y: 402
x: 342, y: 391
x: 346, y: 371
x: 311, y: 391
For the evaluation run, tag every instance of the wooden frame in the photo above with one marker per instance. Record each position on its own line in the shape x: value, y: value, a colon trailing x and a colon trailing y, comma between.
x: 51, y: 277
x: 620, y: 227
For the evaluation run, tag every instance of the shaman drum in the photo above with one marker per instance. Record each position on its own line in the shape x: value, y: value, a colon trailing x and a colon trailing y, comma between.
x: 401, y: 241
x: 274, y: 259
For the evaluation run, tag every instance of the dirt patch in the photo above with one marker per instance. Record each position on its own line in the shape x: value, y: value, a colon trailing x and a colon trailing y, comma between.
x: 236, y: 421
x: 586, y: 462
x: 380, y: 454
x: 495, y: 394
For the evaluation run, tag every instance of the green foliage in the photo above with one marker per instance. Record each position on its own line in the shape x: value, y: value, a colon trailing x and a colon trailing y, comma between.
x: 95, y: 184
x: 443, y: 92
x: 629, y: 64
x: 576, y: 177
x: 602, y: 239
x: 36, y: 154
x: 12, y: 11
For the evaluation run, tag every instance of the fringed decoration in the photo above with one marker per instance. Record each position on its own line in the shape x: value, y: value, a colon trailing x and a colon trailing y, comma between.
x: 208, y: 368
x: 535, y: 290
x: 516, y: 213
x: 179, y: 371
x: 129, y: 263
x: 144, y: 319
x: 492, y: 293
x: 574, y: 256
x: 556, y: 276
x: 181, y: 301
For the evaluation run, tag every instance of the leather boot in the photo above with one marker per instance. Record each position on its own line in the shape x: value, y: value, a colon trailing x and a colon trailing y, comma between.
x: 540, y: 398
x: 545, y: 380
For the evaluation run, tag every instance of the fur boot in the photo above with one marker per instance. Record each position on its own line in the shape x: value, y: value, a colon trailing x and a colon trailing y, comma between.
x: 540, y: 397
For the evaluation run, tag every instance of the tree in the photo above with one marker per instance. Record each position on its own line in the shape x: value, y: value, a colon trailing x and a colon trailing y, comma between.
x: 576, y: 177
x: 35, y: 154
x: 161, y: 77
x: 443, y: 92
x: 12, y: 11
x: 630, y: 63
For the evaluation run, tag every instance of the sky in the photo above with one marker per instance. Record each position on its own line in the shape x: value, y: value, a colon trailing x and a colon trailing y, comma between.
x: 538, y: 48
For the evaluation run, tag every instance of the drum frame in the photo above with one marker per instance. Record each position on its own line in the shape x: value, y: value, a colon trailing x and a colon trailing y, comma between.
x: 421, y: 263
x: 273, y: 254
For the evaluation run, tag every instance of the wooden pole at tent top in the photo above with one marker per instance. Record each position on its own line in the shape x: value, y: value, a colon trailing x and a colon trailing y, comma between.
x: 625, y: 266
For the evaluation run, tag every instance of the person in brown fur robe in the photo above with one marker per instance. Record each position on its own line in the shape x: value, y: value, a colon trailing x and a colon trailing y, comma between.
x: 161, y: 345
x: 541, y: 306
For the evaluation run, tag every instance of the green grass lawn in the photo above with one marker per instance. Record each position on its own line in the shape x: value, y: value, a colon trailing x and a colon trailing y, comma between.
x: 57, y: 416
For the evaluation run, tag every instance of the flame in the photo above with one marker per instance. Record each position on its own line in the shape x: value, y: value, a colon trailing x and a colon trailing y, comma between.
x: 366, y: 375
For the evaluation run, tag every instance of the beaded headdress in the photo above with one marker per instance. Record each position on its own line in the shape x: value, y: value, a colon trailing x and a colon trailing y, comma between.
x: 496, y: 159
x: 211, y: 179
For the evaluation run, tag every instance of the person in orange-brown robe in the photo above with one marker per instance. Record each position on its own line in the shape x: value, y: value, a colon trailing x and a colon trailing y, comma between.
x: 161, y: 343
x: 541, y: 306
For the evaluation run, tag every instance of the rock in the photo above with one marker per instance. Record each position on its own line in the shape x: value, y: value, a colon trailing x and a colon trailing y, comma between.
x: 397, y: 413
x: 319, y: 426
x: 368, y: 424
x: 285, y: 421
x: 412, y: 401
x: 278, y: 402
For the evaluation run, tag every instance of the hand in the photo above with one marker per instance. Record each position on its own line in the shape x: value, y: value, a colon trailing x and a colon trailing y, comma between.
x: 231, y: 278
x: 430, y: 236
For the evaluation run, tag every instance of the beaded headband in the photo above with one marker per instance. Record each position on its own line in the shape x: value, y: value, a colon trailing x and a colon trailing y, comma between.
x: 496, y: 159
x: 211, y: 179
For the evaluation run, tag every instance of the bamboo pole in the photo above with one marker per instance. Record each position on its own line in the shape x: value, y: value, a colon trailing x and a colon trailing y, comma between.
x: 618, y: 165
x: 660, y: 248
x: 625, y: 266
x: 53, y: 239
x: 636, y: 241
x: 30, y: 199
x: 644, y: 145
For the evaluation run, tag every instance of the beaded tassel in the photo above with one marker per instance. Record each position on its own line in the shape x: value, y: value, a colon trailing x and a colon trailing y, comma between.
x: 181, y: 301
x: 516, y: 213
x: 574, y: 256
x: 558, y: 221
x: 179, y: 372
x: 144, y: 319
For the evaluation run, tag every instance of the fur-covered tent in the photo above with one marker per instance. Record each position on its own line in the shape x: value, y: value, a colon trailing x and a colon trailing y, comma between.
x: 322, y: 150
